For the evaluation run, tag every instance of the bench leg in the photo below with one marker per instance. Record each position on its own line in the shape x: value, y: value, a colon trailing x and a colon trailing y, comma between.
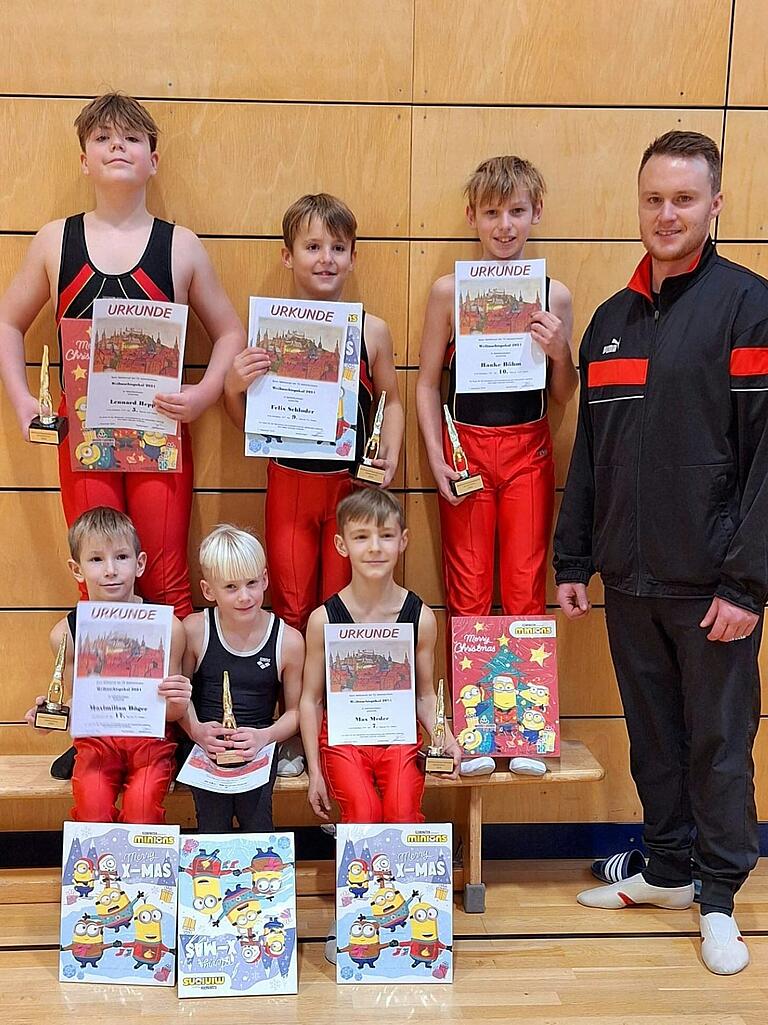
x: 474, y: 888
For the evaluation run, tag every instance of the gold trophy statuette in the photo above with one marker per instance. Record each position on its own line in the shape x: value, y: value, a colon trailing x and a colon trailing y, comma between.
x: 228, y: 759
x: 46, y: 428
x: 437, y: 760
x: 468, y: 482
x: 53, y: 714
x: 366, y: 470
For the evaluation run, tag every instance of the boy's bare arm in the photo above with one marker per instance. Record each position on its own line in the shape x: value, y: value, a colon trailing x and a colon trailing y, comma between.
x: 438, y: 326
x: 553, y: 330
x: 26, y: 295
x: 175, y: 688
x: 311, y: 710
x: 426, y: 698
x: 378, y: 342
x: 252, y: 741
x: 211, y: 304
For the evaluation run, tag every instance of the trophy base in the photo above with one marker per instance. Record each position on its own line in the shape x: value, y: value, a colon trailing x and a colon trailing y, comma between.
x: 52, y: 717
x: 48, y: 434
x: 372, y: 474
x: 467, y: 485
x: 230, y: 760
x: 438, y: 764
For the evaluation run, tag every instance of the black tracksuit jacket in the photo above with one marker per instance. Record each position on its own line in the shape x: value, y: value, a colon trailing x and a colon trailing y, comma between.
x: 667, y: 491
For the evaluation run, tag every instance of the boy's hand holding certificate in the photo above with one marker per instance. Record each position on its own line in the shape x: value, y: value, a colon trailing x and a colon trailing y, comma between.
x: 494, y: 305
x: 122, y: 654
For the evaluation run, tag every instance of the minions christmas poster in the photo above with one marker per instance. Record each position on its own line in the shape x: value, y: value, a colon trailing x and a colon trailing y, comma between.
x: 237, y: 915
x: 394, y: 907
x: 505, y: 700
x: 118, y: 904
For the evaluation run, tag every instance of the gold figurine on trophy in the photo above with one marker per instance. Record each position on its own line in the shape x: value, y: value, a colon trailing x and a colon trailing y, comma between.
x: 46, y: 428
x: 437, y: 760
x: 53, y: 714
x: 228, y: 759
x: 366, y: 470
x: 468, y: 482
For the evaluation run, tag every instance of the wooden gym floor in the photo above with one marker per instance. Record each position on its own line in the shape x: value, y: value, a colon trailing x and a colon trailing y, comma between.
x: 534, y: 956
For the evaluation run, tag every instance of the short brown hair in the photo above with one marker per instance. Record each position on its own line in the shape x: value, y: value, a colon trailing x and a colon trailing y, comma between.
x: 366, y: 504
x: 687, y: 144
x: 333, y: 214
x: 119, y: 110
x: 499, y: 178
x: 104, y: 522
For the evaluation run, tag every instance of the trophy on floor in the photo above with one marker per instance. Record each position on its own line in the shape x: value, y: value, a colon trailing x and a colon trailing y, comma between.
x: 53, y: 714
x: 229, y: 759
x: 366, y: 470
x: 46, y: 428
x: 437, y: 760
x: 468, y: 482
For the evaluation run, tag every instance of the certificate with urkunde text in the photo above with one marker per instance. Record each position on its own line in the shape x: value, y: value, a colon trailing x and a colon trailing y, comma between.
x: 299, y: 395
x: 370, y: 683
x: 122, y: 653
x: 494, y: 304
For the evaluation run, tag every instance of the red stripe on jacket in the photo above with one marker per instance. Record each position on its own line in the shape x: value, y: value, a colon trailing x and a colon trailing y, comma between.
x: 617, y: 371
x: 749, y: 362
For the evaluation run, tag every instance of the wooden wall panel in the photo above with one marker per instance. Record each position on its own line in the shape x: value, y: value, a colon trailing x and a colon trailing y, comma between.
x: 231, y: 49
x: 591, y: 271
x: 745, y: 176
x: 572, y: 51
x: 225, y: 168
x: 589, y: 159
x: 27, y: 660
x: 749, y: 67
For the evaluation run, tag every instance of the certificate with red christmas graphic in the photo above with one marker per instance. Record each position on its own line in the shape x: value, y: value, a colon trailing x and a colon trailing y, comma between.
x: 106, y: 448
x: 505, y: 700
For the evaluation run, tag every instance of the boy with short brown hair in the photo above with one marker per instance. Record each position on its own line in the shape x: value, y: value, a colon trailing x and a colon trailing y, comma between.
x: 505, y: 435
x: 106, y: 557
x: 119, y: 250
x: 305, y: 567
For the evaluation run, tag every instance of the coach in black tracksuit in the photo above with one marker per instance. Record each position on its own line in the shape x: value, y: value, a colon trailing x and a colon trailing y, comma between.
x: 667, y: 498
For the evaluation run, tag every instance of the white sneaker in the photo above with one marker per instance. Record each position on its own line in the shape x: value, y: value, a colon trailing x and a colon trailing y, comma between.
x: 723, y: 949
x: 481, y: 766
x: 330, y: 943
x: 635, y: 890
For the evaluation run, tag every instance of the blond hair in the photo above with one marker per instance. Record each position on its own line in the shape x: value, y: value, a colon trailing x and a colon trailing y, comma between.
x: 229, y: 553
x: 119, y: 110
x: 497, y: 179
x: 333, y: 214
x: 366, y: 505
x: 104, y: 522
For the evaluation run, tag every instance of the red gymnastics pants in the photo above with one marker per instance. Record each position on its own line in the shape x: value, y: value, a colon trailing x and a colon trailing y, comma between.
x: 140, y: 767
x: 159, y: 504
x: 517, y: 504
x: 373, y: 784
x: 304, y: 566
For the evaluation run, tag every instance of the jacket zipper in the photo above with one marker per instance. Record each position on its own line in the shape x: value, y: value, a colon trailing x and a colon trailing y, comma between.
x: 651, y: 348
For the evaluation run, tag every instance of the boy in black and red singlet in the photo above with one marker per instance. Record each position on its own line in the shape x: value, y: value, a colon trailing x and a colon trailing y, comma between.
x: 505, y: 435
x: 117, y: 250
x: 302, y: 494
x: 262, y: 655
x: 382, y: 783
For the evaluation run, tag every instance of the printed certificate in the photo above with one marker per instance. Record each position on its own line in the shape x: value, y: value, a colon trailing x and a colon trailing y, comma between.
x: 115, y: 449
x: 122, y: 653
x: 344, y: 445
x: 137, y: 350
x: 493, y: 309
x: 199, y: 771
x: 299, y: 395
x: 370, y: 683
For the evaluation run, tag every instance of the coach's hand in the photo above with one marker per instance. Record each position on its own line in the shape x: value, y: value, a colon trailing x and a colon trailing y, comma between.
x: 728, y: 622
x: 573, y: 600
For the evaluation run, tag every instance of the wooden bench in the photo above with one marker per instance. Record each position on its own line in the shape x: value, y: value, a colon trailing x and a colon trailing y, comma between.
x: 27, y: 777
